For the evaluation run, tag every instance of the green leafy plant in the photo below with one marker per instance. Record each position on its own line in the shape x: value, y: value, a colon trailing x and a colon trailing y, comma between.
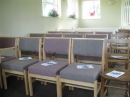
x: 53, y: 13
x: 72, y: 16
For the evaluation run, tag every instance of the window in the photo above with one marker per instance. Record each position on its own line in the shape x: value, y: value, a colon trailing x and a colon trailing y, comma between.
x: 72, y: 8
x: 91, y: 9
x: 48, y: 5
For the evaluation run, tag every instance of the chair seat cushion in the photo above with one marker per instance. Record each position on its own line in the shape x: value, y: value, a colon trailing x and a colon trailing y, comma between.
x: 7, y: 58
x: 16, y: 64
x: 51, y: 71
x: 85, y: 75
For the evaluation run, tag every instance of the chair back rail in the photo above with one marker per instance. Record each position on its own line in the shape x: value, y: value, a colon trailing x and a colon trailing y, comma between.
x: 97, y: 36
x: 73, y: 35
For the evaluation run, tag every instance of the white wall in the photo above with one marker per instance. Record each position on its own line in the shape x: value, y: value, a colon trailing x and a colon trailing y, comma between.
x: 110, y: 16
x: 20, y: 17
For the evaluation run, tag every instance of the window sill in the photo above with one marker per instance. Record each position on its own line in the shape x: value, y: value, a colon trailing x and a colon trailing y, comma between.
x: 52, y: 17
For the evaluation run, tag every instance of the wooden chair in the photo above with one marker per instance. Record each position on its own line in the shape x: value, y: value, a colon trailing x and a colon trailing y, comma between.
x: 124, y: 31
x: 84, y: 32
x: 36, y: 35
x: 85, y: 78
x: 50, y: 73
x: 6, y: 44
x: 18, y: 67
x: 114, y: 58
x: 119, y: 36
x: 108, y: 33
x: 53, y: 35
x: 96, y: 36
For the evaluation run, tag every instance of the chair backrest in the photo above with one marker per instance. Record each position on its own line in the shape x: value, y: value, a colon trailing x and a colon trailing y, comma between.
x: 8, y: 42
x: 84, y: 32
x: 119, y: 36
x: 88, y: 47
x: 109, y: 34
x: 69, y: 32
x: 32, y: 44
x: 97, y: 36
x: 53, y: 35
x: 54, y: 32
x: 73, y: 35
x: 118, y: 51
x: 57, y: 45
x: 36, y: 35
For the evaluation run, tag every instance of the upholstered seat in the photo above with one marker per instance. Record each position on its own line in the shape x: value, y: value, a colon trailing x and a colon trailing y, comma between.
x: 85, y: 75
x: 47, y: 70
x: 7, y: 58
x: 16, y: 64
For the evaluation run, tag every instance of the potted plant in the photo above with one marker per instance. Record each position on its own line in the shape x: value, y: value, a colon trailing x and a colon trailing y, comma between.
x: 53, y: 13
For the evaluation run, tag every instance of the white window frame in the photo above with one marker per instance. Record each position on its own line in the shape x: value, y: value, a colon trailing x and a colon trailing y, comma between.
x: 70, y: 7
x: 58, y: 7
x: 90, y: 17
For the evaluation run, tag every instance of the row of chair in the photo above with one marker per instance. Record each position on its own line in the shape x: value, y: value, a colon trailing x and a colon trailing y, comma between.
x: 63, y: 72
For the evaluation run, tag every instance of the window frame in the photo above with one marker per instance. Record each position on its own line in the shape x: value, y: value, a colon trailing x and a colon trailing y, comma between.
x: 91, y: 18
x: 58, y: 7
x: 76, y: 9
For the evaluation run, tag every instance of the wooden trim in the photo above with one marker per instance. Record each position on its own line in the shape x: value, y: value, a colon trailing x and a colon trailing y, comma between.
x: 77, y: 82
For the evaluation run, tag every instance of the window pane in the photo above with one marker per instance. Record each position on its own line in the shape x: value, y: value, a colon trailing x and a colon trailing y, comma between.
x: 46, y: 9
x: 49, y: 1
x: 91, y: 9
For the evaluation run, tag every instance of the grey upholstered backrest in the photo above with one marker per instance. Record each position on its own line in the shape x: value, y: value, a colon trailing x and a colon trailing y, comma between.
x: 29, y: 44
x: 69, y: 32
x: 109, y: 34
x: 73, y: 35
x: 88, y: 47
x: 36, y: 35
x: 54, y: 35
x: 54, y: 45
x: 100, y: 36
x: 6, y: 42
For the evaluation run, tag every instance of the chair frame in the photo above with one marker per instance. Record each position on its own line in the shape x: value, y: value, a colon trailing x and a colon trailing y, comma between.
x: 47, y: 78
x: 5, y: 49
x: 23, y: 74
x: 84, y: 85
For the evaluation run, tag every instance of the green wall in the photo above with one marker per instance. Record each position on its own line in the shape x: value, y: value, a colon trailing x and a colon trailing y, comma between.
x: 20, y: 17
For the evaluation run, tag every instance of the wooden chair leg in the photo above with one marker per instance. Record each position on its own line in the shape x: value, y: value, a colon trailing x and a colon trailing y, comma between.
x: 95, y: 88
x: 4, y: 79
x: 102, y: 87
x: 59, y: 86
x: 1, y: 81
x: 26, y: 82
x: 30, y: 85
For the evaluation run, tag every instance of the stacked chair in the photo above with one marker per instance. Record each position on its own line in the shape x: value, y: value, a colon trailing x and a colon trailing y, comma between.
x: 6, y: 44
x: 117, y: 55
x: 18, y: 67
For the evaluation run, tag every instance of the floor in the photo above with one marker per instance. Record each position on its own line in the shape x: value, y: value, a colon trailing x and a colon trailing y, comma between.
x: 16, y: 89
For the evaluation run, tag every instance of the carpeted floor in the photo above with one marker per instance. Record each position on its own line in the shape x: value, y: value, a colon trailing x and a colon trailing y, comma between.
x: 16, y: 89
